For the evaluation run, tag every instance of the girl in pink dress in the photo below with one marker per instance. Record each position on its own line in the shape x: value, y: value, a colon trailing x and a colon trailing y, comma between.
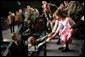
x: 64, y: 29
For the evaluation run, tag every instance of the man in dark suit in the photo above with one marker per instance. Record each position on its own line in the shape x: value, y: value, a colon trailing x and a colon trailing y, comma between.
x: 16, y: 48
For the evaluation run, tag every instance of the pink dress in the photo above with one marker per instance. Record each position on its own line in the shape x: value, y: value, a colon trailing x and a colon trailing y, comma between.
x: 65, y: 30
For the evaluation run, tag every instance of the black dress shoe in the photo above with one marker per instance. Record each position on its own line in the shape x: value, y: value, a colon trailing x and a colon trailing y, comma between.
x: 65, y: 49
x: 61, y: 48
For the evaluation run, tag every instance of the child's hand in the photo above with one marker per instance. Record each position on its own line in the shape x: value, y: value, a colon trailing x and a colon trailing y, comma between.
x: 49, y: 35
x: 48, y: 40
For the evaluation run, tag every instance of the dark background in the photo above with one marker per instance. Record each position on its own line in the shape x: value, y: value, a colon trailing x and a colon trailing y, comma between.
x: 7, y: 6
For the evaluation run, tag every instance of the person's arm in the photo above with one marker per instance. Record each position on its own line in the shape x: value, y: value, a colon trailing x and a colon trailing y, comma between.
x: 42, y: 43
x: 46, y: 15
x: 54, y: 29
x: 71, y: 22
x: 49, y: 35
x: 55, y: 26
x: 41, y: 39
x: 57, y: 30
x: 53, y: 34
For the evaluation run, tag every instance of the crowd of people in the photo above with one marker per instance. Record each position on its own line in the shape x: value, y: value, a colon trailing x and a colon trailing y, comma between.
x: 33, y: 26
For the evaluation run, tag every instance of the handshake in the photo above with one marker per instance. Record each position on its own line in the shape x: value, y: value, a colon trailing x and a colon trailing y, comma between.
x: 50, y: 36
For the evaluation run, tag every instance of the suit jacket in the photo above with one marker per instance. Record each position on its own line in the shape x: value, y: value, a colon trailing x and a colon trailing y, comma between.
x: 15, y: 50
